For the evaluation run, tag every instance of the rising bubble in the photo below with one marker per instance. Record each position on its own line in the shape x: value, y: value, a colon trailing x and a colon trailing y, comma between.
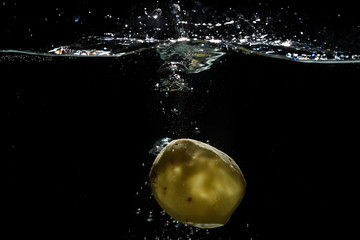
x: 156, y: 13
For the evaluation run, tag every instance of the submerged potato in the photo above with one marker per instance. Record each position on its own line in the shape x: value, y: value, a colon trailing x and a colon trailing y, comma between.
x: 196, y: 183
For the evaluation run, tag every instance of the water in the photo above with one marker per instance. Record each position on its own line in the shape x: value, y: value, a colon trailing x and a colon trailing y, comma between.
x: 230, y: 29
x: 262, y: 84
x: 192, y: 40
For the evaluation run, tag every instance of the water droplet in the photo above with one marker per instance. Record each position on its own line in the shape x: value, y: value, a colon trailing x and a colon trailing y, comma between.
x: 138, y: 211
x: 156, y: 13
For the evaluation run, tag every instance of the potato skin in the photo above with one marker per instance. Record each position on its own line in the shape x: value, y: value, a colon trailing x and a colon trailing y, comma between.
x: 196, y: 183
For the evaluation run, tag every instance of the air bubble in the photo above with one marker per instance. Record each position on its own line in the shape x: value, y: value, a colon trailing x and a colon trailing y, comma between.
x: 150, y: 217
x: 175, y: 8
x: 175, y: 111
x: 76, y: 18
x: 197, y: 130
x: 159, y: 145
x: 156, y: 13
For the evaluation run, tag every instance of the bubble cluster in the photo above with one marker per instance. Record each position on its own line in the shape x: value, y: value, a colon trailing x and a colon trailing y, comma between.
x: 159, y: 145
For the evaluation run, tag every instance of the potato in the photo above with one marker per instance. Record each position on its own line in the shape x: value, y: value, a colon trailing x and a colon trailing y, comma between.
x: 196, y: 183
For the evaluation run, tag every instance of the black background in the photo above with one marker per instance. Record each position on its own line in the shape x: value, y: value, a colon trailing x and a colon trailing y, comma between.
x: 77, y: 131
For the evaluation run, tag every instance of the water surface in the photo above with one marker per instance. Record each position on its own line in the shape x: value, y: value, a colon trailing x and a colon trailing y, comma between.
x: 86, y: 117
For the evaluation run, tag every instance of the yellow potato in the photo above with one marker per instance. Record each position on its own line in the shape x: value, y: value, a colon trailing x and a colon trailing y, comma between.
x: 196, y: 183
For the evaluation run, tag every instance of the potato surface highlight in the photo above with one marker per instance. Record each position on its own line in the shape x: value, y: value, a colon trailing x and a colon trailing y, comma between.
x: 196, y: 183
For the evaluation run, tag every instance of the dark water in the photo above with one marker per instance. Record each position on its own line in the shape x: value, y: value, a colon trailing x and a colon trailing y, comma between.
x: 78, y: 132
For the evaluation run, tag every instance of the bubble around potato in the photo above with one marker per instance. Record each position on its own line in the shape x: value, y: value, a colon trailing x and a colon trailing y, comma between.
x: 196, y: 183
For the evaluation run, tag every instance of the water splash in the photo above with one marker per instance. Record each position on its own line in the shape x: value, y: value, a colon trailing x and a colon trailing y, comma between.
x: 165, y: 28
x: 162, y: 22
x: 191, y: 40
